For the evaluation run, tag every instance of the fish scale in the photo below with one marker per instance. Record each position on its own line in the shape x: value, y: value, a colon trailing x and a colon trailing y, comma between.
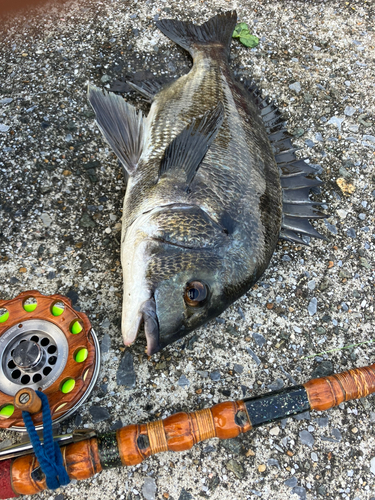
x: 213, y: 181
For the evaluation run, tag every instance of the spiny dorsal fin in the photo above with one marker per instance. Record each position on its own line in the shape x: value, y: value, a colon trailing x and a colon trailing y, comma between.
x: 300, y: 225
x: 296, y: 176
x: 121, y: 124
x: 188, y: 149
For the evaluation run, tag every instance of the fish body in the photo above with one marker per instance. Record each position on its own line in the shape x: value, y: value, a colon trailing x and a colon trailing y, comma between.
x: 203, y: 208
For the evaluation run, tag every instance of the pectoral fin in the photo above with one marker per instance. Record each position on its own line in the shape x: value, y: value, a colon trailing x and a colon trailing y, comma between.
x: 188, y: 149
x: 121, y: 124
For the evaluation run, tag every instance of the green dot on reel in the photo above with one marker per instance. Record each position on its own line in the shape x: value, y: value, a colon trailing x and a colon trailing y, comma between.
x: 56, y: 310
x: 76, y: 327
x: 81, y: 355
x: 30, y: 307
x: 68, y: 385
x: 4, y: 317
x: 7, y: 411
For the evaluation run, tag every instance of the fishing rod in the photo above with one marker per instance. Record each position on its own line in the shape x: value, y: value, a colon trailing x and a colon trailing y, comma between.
x: 130, y: 445
x: 49, y: 360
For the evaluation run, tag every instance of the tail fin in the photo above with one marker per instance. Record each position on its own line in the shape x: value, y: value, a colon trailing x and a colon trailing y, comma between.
x: 218, y: 29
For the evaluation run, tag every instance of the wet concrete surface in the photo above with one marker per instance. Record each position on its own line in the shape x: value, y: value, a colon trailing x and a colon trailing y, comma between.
x: 61, y: 195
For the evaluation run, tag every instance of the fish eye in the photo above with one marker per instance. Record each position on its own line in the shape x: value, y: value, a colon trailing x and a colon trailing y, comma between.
x: 196, y: 293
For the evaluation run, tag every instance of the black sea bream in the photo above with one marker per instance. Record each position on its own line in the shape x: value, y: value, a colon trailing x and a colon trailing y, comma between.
x: 213, y: 183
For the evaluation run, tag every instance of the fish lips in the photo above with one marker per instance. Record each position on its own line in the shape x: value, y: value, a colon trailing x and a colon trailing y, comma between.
x: 151, y: 326
x: 148, y: 316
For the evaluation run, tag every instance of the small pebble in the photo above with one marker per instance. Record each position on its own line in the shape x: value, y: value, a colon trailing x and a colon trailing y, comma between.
x: 149, y: 488
x: 125, y: 373
x: 105, y: 343
x: 322, y: 421
x: 253, y: 355
x: 305, y: 415
x: 353, y: 128
x: 342, y: 213
x: 276, y: 385
x: 238, y: 368
x: 313, y: 306
x: 46, y: 219
x: 215, y: 375
x: 259, y: 339
x: 185, y: 495
x: 324, y: 369
x: 299, y: 491
x: 349, y: 111
x: 311, y: 284
x: 183, y: 381
x: 273, y: 462
x: 99, y: 414
x: 336, y: 434
x: 306, y: 438
x: 296, y: 86
x: 291, y: 482
x: 209, y: 449
x: 331, y: 228
x: 336, y: 121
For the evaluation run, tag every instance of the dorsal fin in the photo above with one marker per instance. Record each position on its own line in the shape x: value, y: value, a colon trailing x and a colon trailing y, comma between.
x: 188, y: 149
x: 296, y: 176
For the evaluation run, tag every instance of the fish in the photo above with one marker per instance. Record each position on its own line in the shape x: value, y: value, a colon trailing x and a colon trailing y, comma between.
x: 213, y: 182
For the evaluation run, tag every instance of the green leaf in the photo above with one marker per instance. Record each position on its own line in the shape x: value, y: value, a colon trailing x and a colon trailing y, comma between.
x: 249, y: 40
x: 239, y: 28
x: 242, y: 32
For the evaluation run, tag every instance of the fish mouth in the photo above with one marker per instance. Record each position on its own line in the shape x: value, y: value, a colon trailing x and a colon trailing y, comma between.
x: 147, y: 317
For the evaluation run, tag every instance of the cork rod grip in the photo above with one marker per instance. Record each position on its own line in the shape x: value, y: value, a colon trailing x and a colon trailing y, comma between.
x: 326, y: 392
x: 181, y: 431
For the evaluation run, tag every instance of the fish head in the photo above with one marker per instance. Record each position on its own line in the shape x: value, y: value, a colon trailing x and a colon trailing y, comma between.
x: 173, y: 275
x: 187, y: 291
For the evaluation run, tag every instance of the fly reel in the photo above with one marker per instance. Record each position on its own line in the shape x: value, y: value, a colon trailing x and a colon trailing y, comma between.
x: 45, y: 345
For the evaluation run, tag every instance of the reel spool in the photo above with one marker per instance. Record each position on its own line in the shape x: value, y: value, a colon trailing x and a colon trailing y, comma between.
x: 45, y: 345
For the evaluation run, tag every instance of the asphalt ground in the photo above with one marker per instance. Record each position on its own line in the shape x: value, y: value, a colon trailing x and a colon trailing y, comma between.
x: 61, y: 193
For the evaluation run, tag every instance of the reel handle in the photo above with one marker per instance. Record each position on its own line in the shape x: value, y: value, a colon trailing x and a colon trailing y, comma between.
x: 28, y: 400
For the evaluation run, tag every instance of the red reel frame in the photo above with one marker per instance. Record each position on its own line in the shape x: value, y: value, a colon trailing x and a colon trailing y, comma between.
x: 78, y: 375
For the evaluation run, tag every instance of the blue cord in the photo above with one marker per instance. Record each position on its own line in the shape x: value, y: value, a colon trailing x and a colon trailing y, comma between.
x: 48, y: 455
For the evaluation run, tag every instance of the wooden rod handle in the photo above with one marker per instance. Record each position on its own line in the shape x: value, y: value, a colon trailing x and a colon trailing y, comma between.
x: 28, y: 400
x: 81, y: 461
x: 327, y: 392
x: 181, y: 431
x: 133, y: 443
